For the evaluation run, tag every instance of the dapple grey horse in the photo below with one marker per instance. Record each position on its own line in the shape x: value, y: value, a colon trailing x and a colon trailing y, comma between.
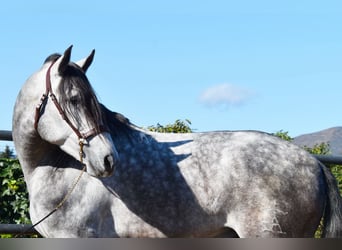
x: 144, y: 184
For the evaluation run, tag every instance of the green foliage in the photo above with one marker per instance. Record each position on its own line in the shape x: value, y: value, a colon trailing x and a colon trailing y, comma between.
x: 14, y: 202
x: 178, y: 126
x: 283, y: 135
x: 319, y: 149
x: 337, y: 172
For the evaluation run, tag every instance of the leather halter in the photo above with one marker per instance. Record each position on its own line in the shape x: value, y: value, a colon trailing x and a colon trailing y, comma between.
x: 82, y: 137
x: 49, y: 93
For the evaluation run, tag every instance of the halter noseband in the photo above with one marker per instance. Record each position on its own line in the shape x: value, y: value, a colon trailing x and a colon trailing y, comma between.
x: 82, y: 137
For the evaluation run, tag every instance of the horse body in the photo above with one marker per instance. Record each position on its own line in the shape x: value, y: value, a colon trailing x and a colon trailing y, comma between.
x: 198, y: 184
x: 179, y: 186
x: 242, y: 183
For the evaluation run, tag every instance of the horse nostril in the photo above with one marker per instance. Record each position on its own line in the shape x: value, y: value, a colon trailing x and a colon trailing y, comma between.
x: 109, y: 163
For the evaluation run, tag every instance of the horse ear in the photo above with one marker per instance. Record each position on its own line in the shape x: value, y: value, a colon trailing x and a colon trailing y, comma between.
x: 86, y: 62
x: 64, y: 60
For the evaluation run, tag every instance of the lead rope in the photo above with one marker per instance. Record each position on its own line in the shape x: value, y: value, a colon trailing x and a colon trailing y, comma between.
x: 67, y: 195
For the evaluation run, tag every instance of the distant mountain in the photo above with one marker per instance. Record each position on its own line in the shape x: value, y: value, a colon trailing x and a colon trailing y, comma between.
x: 333, y: 136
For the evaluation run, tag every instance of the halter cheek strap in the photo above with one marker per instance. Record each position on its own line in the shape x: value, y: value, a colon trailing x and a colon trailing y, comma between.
x: 40, y: 106
x: 49, y: 93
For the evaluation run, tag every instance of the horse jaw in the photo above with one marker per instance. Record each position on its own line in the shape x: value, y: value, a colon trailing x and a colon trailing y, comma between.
x: 106, y: 158
x: 98, y: 154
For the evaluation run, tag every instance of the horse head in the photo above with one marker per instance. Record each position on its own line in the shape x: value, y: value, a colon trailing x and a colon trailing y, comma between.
x: 69, y: 115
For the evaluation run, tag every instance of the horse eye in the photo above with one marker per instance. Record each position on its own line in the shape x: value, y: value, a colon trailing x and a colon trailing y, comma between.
x: 74, y: 100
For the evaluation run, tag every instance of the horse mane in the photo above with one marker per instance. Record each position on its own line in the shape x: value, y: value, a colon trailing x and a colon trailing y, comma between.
x: 117, y: 123
x: 52, y: 57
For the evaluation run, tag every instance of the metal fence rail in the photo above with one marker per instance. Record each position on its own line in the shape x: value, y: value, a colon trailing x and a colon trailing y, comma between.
x: 6, y: 135
x: 329, y: 159
x: 17, y: 229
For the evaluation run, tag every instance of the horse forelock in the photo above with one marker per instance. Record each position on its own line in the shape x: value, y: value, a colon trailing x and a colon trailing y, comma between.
x: 73, y: 81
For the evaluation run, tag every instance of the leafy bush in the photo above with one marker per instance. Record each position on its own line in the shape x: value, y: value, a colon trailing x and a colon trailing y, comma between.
x: 283, y: 135
x: 178, y: 126
x: 14, y: 202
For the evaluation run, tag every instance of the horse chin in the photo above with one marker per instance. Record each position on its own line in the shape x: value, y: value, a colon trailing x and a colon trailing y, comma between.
x: 99, y: 174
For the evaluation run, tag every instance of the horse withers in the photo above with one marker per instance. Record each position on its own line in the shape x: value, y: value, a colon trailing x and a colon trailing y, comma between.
x: 144, y: 184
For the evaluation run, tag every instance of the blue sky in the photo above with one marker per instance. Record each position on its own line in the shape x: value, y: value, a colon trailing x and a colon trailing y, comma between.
x: 263, y: 65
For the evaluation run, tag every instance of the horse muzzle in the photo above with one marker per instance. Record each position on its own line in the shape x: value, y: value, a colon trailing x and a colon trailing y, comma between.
x: 104, y: 167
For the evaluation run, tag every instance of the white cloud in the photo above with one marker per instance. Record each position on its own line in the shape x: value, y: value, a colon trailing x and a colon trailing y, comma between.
x: 225, y: 95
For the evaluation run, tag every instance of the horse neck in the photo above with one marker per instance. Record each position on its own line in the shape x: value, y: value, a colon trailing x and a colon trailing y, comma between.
x: 30, y: 147
x: 138, y: 139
